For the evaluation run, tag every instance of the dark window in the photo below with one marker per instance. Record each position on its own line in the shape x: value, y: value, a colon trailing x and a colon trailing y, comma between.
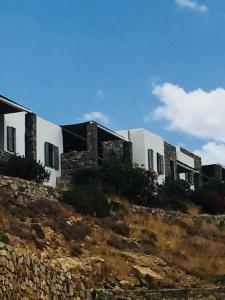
x: 160, y: 164
x: 11, y: 139
x: 150, y: 159
x: 51, y: 156
x: 172, y: 174
x: 189, y: 177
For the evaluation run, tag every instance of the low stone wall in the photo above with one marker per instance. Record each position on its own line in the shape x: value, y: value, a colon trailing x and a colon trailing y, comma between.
x: 181, y: 294
x: 173, y: 215
x: 23, y: 276
x: 25, y: 191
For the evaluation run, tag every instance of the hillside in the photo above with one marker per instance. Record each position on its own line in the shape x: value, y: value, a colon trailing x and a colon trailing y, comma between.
x: 131, y: 248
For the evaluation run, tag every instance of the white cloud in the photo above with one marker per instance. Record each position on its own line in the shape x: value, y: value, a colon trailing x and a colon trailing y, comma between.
x: 96, y: 116
x: 100, y: 94
x: 192, y: 4
x: 212, y: 152
x: 197, y: 112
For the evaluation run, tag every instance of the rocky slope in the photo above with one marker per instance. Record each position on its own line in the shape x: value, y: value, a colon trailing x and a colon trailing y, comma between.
x: 131, y: 248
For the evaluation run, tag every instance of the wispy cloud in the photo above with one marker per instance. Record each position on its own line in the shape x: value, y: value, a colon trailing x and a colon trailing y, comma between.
x: 192, y: 4
x: 100, y: 94
x: 96, y: 116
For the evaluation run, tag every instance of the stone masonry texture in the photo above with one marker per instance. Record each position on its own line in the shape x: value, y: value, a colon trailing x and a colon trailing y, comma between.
x: 31, y: 135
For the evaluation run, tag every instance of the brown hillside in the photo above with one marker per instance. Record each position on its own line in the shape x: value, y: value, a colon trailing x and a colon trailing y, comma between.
x: 132, y: 247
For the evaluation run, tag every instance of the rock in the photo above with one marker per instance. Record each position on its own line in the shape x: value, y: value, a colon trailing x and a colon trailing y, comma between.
x: 146, y: 275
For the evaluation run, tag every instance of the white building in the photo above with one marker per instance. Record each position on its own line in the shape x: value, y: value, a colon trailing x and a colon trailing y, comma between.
x: 148, y: 150
x: 24, y: 133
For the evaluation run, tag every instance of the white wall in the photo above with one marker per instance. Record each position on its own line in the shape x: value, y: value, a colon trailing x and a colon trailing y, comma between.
x: 16, y: 120
x: 142, y: 140
x: 51, y: 133
x: 185, y: 159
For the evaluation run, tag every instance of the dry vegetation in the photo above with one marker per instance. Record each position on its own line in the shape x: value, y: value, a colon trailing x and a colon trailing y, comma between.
x: 182, y: 253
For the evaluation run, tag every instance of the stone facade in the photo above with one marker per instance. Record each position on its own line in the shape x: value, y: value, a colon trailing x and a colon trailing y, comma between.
x: 170, y: 156
x: 119, y: 148
x: 31, y: 135
x: 174, y: 294
x: 114, y: 148
x: 24, y: 191
x: 25, y: 276
x: 70, y: 163
x: 92, y: 141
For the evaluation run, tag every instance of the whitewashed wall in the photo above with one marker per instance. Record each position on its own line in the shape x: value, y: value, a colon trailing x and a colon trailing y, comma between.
x: 16, y: 120
x: 185, y: 159
x: 51, y: 133
x: 142, y: 140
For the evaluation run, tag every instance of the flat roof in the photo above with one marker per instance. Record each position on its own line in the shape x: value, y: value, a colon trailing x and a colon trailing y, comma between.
x: 9, y: 106
x: 80, y: 127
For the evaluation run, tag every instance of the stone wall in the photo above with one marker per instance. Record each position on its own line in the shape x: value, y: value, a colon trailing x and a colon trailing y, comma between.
x: 25, y: 276
x: 175, y: 215
x: 180, y: 294
x: 170, y: 154
x: 119, y: 148
x: 31, y: 135
x: 112, y: 148
x: 71, y: 162
x: 25, y: 191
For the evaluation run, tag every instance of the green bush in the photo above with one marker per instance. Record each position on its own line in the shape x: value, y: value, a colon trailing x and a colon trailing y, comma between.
x: 3, y: 238
x: 116, y: 177
x: 88, y: 200
x: 26, y: 168
x: 210, y: 197
x: 173, y: 194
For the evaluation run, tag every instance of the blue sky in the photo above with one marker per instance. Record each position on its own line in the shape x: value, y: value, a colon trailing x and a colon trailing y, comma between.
x: 122, y: 62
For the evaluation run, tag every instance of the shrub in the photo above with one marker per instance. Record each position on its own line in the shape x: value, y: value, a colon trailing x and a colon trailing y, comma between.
x: 206, y: 201
x: 26, y: 168
x: 88, y: 200
x: 3, y: 238
x: 210, y: 196
x: 173, y: 194
x: 122, y: 178
x: 118, y: 227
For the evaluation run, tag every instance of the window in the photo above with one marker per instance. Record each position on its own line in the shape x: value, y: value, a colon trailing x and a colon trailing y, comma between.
x: 150, y: 159
x: 172, y: 173
x: 160, y: 164
x: 189, y: 177
x: 11, y: 139
x: 51, y: 156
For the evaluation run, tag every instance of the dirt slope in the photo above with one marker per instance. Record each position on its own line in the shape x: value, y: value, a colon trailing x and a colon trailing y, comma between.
x: 130, y: 248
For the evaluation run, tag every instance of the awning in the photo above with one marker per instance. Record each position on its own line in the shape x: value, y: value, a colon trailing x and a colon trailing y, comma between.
x: 8, y: 106
x: 186, y: 167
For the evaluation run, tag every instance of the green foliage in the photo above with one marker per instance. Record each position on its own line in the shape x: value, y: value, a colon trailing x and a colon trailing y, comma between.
x: 88, y: 200
x: 210, y: 197
x: 26, y: 168
x: 3, y: 238
x: 172, y: 194
x: 116, y: 177
x: 221, y: 224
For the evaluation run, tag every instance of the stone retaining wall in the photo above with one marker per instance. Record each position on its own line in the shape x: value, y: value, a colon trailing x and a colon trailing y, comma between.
x: 25, y: 191
x: 181, y: 294
x: 24, y: 276
x: 173, y: 215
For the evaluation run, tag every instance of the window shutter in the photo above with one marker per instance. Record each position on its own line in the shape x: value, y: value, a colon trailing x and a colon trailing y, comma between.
x: 162, y: 165
x: 150, y: 159
x: 11, y: 139
x: 56, y: 158
x: 47, y: 154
